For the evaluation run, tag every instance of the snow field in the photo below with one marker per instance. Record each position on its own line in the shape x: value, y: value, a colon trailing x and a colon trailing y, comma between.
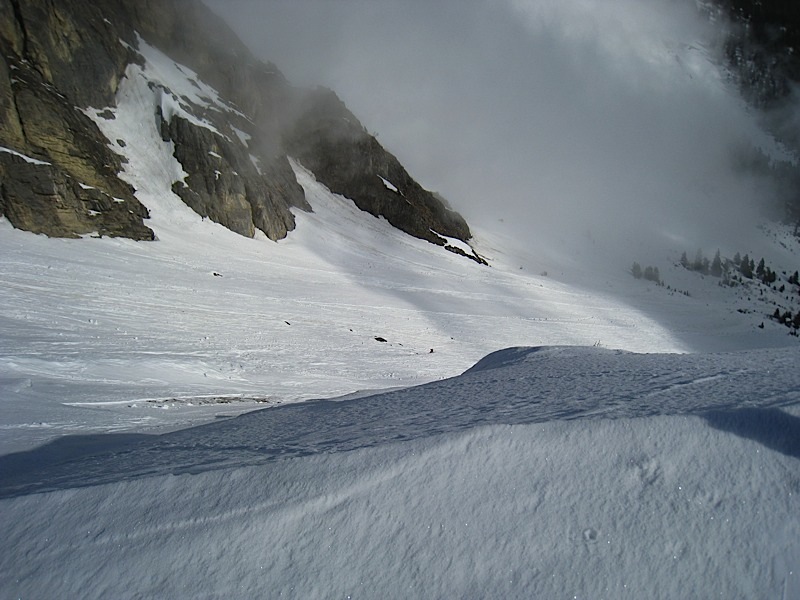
x: 98, y: 332
x: 620, y: 508
x: 544, y: 472
x: 555, y: 472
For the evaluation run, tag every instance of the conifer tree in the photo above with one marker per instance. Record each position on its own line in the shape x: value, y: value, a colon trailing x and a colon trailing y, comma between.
x: 697, y: 265
x: 716, y: 265
x: 745, y: 268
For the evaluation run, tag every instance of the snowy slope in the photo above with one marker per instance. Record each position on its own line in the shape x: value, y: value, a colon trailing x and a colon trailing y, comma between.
x: 113, y: 324
x: 556, y: 471
x: 545, y: 472
x: 112, y: 335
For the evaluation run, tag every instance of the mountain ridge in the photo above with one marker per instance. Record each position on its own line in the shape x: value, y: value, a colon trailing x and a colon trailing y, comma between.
x: 59, y: 173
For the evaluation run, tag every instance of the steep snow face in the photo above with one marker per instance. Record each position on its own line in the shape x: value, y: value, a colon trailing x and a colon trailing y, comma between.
x: 549, y: 472
x: 151, y: 166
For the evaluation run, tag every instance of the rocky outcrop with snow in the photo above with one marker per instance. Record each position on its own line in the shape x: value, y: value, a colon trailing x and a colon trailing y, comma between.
x: 229, y: 120
x: 331, y: 142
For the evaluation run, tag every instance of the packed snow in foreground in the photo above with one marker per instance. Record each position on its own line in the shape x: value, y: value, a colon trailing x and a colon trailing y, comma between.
x: 540, y: 473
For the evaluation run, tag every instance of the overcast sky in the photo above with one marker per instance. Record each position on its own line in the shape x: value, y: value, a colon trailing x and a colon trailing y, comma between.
x: 597, y: 116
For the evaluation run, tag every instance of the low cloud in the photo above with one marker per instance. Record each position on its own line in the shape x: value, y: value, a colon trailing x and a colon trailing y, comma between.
x: 560, y: 117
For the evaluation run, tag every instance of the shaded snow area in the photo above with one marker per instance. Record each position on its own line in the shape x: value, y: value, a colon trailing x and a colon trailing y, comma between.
x: 540, y: 473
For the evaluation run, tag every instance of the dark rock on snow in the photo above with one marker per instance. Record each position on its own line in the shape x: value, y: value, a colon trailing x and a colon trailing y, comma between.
x: 63, y: 56
x: 330, y: 141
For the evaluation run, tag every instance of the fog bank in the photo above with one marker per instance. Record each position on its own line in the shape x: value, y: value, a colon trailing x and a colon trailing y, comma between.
x: 561, y: 117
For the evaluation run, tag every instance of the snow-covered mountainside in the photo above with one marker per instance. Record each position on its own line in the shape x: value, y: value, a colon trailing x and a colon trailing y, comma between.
x: 205, y: 313
x: 114, y: 335
x: 226, y: 117
x: 532, y: 423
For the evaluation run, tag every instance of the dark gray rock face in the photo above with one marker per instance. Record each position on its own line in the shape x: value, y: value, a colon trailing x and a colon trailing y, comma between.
x: 73, y: 45
x: 62, y: 56
x: 43, y: 198
x: 69, y: 186
x: 230, y: 186
x: 760, y: 46
x: 330, y: 141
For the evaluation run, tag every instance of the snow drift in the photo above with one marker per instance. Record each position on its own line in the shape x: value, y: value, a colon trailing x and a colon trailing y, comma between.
x: 552, y: 472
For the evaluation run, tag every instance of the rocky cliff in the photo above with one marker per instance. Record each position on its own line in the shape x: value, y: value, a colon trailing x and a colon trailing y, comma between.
x: 761, y: 47
x: 64, y: 63
x: 329, y: 140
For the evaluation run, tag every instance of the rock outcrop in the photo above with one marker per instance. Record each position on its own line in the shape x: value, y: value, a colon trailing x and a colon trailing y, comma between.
x: 760, y: 47
x: 330, y: 141
x: 44, y: 198
x: 59, y: 175
x: 227, y: 185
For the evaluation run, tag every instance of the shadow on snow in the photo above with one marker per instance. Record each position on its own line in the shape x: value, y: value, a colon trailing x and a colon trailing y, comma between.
x: 516, y: 386
x: 771, y: 427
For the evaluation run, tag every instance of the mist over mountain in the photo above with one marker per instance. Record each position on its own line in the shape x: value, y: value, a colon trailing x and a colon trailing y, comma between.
x: 642, y: 123
x: 620, y: 120
x: 243, y: 353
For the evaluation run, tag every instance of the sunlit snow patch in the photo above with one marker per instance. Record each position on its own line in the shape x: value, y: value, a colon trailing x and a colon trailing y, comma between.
x: 389, y: 185
x: 181, y: 80
x: 26, y: 158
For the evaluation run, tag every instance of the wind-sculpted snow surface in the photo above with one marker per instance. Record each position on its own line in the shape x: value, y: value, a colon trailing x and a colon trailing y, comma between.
x: 541, y: 472
x: 510, y: 387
